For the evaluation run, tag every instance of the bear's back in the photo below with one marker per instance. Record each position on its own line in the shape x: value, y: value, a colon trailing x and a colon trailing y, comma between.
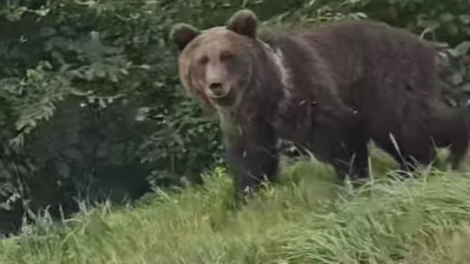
x: 366, y: 51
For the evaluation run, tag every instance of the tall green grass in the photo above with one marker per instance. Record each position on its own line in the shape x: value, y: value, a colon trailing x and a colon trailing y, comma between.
x: 303, y: 219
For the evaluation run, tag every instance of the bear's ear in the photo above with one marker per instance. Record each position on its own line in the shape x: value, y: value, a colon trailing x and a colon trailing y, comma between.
x: 243, y: 22
x: 182, y: 34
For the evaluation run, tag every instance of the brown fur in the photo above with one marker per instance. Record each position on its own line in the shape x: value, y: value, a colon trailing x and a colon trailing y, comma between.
x: 340, y: 85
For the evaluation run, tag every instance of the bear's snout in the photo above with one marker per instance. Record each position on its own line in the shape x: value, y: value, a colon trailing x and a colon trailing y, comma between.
x: 215, y: 86
x: 217, y: 89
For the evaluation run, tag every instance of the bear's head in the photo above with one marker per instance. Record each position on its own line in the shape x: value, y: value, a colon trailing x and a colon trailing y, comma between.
x: 217, y: 64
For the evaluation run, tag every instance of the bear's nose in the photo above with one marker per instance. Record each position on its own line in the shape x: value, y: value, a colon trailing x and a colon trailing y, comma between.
x: 216, y: 86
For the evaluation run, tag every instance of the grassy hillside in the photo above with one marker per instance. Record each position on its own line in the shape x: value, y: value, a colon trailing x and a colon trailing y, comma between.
x: 305, y: 219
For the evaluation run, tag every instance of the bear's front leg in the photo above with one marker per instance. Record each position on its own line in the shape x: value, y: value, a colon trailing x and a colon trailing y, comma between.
x: 253, y: 155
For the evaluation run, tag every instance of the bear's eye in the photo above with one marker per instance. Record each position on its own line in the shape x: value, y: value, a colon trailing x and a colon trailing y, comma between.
x: 203, y: 60
x: 225, y: 55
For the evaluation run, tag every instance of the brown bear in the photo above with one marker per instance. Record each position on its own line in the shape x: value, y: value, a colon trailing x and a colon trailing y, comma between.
x: 329, y: 89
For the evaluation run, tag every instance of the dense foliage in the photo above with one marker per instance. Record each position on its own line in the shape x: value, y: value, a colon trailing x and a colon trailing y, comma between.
x: 91, y: 107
